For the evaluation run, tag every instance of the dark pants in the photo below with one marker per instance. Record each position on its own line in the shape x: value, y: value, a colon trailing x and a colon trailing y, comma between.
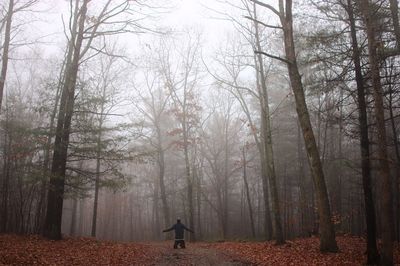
x: 180, y: 243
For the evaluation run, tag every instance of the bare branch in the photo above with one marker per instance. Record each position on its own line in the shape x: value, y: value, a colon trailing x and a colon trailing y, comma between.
x: 274, y: 57
x: 262, y: 23
x: 274, y: 10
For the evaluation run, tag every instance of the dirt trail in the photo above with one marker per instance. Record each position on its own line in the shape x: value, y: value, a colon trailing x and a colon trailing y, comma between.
x: 196, y: 255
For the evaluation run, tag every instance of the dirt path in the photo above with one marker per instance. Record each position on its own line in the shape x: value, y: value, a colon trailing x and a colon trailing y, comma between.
x: 196, y: 255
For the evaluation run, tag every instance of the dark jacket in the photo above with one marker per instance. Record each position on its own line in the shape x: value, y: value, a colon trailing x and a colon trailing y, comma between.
x: 179, y: 230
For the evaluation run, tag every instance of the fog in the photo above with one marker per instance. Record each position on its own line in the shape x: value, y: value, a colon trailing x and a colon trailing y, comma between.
x: 119, y: 117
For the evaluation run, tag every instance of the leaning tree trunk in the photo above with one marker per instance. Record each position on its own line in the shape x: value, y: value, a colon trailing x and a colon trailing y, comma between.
x: 372, y: 250
x: 384, y: 169
x: 52, y: 228
x: 327, y: 238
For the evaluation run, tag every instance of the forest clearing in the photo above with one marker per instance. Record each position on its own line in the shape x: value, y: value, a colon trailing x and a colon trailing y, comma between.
x: 35, y: 250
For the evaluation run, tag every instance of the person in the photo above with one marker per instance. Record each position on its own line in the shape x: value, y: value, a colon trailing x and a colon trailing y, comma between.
x: 179, y: 229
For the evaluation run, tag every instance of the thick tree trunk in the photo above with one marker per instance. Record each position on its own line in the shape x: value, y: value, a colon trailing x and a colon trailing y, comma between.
x: 6, y: 47
x: 304, y: 210
x: 52, y: 228
x: 41, y: 206
x: 372, y: 250
x: 384, y: 169
x: 328, y: 242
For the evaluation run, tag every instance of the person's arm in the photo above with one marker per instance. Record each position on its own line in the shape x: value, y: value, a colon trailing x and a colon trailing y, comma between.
x: 188, y: 229
x: 169, y: 229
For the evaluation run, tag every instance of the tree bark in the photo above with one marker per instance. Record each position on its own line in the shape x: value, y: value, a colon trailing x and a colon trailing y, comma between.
x: 372, y: 250
x: 327, y: 238
x: 397, y: 165
x: 52, y: 228
x: 384, y: 169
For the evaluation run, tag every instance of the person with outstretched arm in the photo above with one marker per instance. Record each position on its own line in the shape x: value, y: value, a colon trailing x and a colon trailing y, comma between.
x: 179, y: 229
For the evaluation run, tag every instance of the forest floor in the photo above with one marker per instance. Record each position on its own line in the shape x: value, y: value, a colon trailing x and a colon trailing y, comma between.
x: 35, y: 250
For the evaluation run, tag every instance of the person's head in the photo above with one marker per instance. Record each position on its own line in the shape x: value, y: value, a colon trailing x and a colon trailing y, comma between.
x: 178, y: 220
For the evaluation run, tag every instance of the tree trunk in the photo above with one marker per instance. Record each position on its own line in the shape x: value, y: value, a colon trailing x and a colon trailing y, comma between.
x: 394, y: 10
x: 199, y: 230
x: 247, y: 190
x: 161, y: 165
x: 372, y: 250
x: 6, y: 177
x: 397, y: 165
x: 396, y: 160
x: 267, y: 225
x: 97, y: 180
x: 41, y: 206
x: 52, y: 228
x: 328, y: 242
x: 188, y: 175
x: 304, y: 210
x: 6, y: 47
x: 267, y: 141
x: 72, y: 229
x: 384, y: 169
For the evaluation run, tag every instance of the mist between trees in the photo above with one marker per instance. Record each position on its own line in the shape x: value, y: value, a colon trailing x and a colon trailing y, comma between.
x: 287, y: 127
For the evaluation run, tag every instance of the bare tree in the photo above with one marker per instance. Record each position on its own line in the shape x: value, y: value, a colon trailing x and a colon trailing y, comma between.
x: 10, y: 12
x: 285, y: 15
x: 82, y: 34
x: 152, y: 102
x: 372, y: 250
x: 181, y: 82
x: 234, y: 62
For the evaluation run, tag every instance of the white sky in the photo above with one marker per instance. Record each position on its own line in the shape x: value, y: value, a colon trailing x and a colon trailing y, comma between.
x: 184, y: 14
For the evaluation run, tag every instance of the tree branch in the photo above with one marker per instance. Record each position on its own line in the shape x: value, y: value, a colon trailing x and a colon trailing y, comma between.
x: 262, y: 23
x: 273, y: 56
x: 274, y: 10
